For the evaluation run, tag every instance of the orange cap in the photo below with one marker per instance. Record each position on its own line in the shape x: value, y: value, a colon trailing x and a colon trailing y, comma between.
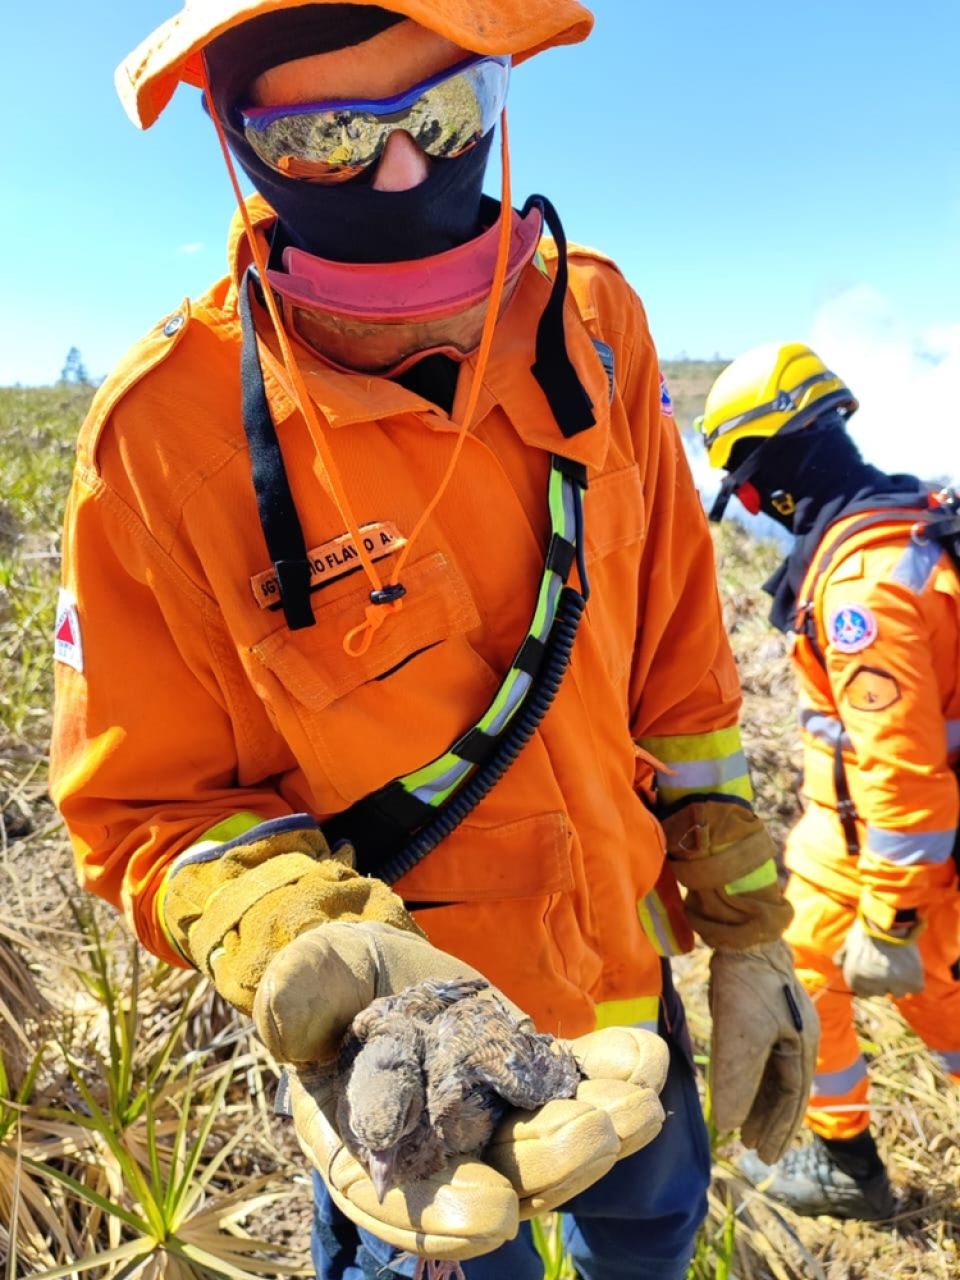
x: 147, y: 78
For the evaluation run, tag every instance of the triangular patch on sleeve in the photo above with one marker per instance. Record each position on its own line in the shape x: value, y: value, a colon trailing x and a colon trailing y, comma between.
x: 67, y: 645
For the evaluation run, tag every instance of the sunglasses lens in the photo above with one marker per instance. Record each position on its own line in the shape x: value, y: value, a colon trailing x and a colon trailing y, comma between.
x: 334, y: 143
x: 323, y: 147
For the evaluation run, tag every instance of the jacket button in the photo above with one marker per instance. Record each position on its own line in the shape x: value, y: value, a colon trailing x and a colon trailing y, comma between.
x: 173, y: 325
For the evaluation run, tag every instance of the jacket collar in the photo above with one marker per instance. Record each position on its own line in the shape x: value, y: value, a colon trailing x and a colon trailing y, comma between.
x: 348, y: 398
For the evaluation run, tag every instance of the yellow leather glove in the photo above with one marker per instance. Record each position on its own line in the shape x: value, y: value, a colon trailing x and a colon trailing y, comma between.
x: 536, y: 1160
x: 764, y: 1046
x: 723, y: 856
x: 880, y: 962
x: 228, y: 909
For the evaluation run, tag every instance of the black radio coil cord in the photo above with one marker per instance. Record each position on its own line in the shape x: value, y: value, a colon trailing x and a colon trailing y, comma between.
x: 556, y: 659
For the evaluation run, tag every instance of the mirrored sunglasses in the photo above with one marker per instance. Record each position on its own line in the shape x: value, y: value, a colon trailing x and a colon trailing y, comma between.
x: 334, y: 141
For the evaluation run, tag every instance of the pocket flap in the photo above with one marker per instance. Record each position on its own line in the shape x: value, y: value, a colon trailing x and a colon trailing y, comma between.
x: 527, y: 858
x: 312, y: 663
x: 613, y: 512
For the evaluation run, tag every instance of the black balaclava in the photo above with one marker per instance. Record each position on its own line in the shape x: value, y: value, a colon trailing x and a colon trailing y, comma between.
x: 348, y: 222
x: 824, y: 473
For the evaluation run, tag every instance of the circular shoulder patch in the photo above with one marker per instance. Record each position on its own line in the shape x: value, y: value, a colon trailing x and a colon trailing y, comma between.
x: 852, y: 627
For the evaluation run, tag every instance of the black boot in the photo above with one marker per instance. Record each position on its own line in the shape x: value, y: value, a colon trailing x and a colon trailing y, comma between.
x: 843, y: 1178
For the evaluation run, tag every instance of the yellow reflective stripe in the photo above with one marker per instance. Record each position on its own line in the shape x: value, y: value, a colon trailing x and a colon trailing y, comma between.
x: 626, y: 1013
x: 236, y: 825
x: 740, y: 787
x: 500, y: 701
x: 558, y: 511
x: 684, y: 748
x: 760, y: 878
x: 430, y: 772
x: 656, y: 925
x: 440, y: 794
x: 539, y: 625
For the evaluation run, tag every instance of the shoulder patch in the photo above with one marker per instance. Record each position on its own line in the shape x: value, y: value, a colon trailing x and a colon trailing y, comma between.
x: 67, y: 645
x: 666, y: 403
x: 852, y: 627
x: 871, y: 689
x: 608, y: 360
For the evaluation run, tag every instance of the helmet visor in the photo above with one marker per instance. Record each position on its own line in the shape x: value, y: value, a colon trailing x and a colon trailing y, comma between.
x: 331, y: 142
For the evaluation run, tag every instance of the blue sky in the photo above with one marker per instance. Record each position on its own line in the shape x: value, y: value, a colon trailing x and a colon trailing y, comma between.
x: 760, y: 171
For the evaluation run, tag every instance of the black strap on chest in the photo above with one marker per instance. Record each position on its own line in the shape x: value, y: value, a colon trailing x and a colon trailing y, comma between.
x: 846, y: 811
x: 281, y: 526
x: 553, y: 369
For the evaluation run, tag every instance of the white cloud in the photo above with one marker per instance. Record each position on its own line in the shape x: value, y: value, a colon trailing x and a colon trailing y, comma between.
x: 907, y: 382
x: 191, y: 248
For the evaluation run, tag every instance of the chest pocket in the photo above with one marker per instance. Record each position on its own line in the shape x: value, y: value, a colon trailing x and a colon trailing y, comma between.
x: 615, y: 527
x: 614, y: 512
x: 357, y: 722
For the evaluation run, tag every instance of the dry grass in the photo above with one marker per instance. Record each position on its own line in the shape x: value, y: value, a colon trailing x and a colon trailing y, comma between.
x: 136, y: 1135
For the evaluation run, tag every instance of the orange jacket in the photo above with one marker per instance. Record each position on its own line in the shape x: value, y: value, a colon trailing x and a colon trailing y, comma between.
x: 887, y: 622
x: 187, y: 708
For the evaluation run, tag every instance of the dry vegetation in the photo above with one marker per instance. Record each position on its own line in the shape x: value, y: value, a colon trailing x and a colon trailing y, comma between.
x: 136, y: 1134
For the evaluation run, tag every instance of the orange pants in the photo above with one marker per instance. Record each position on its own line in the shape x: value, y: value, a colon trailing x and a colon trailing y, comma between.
x: 839, y: 1102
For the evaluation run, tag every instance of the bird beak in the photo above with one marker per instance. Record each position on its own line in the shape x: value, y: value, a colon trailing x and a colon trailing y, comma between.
x: 381, y: 1165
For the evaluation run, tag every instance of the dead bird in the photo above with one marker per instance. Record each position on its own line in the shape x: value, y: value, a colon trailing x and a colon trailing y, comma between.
x: 381, y: 1111
x: 382, y: 1108
x: 479, y: 1062
x: 427, y: 1074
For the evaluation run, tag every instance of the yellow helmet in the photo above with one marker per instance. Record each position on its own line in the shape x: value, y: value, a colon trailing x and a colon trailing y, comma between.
x: 767, y: 390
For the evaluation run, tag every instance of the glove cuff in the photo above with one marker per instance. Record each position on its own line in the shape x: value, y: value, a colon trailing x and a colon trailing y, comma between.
x: 899, y: 932
x: 713, y: 842
x: 229, y: 908
x: 722, y: 854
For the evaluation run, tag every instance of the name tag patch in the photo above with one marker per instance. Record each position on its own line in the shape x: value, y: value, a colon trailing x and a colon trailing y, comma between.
x: 332, y: 560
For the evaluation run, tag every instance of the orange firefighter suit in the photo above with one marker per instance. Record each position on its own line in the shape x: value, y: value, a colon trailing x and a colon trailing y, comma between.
x: 878, y: 657
x: 187, y: 710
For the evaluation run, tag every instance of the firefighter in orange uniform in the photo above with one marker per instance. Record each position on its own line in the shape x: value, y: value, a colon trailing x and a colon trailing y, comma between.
x: 333, y: 712
x: 871, y: 591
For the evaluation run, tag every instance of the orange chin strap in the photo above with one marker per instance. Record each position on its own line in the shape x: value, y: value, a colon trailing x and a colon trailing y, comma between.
x: 359, y: 638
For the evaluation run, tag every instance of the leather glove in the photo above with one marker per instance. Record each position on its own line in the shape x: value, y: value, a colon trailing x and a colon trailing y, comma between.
x: 536, y: 1160
x: 877, y: 962
x: 722, y: 854
x: 764, y: 1046
x: 229, y: 908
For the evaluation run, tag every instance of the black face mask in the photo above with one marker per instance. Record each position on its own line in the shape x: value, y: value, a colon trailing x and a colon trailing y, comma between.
x: 796, y: 476
x: 821, y: 471
x: 350, y: 222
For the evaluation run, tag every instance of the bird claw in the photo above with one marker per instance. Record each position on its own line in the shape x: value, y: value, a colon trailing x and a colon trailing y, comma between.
x: 437, y: 1269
